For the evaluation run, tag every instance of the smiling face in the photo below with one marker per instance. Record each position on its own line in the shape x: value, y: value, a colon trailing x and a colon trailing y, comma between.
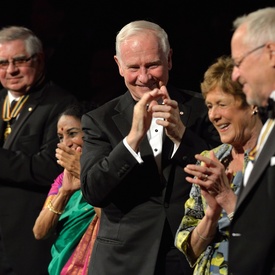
x: 233, y: 121
x: 255, y: 67
x: 19, y: 79
x: 143, y: 64
x: 69, y: 131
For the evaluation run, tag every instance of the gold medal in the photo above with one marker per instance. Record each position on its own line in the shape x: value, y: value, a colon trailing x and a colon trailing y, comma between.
x: 7, y: 131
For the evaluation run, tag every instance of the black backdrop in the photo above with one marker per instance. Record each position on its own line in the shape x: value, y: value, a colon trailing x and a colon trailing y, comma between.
x: 79, y: 37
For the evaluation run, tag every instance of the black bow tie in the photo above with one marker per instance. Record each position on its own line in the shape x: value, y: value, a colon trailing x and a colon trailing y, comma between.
x: 269, y: 110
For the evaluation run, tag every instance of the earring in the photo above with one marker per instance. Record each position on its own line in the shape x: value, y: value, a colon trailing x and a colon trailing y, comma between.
x: 255, y: 112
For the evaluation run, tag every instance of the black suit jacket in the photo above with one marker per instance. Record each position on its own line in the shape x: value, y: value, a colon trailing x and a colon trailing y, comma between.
x: 136, y: 200
x: 28, y: 168
x: 252, y: 236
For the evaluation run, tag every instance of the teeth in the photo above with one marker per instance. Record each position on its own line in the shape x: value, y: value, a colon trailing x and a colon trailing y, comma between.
x: 223, y: 126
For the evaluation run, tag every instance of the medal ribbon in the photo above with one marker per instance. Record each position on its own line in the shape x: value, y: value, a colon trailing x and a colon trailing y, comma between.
x: 6, y: 114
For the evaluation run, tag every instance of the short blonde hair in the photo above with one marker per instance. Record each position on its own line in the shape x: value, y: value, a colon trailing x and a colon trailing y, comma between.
x: 219, y: 75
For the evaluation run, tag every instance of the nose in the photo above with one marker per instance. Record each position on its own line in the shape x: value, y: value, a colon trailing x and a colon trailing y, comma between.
x: 11, y: 67
x: 144, y: 75
x: 213, y: 114
x: 67, y: 141
x: 235, y: 73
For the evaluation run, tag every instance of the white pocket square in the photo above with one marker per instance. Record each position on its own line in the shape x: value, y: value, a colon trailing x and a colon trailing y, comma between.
x: 272, y: 161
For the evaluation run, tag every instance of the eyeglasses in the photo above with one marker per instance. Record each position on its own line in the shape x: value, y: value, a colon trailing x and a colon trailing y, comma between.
x: 238, y: 64
x: 17, y: 61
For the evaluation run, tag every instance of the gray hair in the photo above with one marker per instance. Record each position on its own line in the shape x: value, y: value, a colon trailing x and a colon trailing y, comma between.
x: 141, y: 26
x: 32, y: 42
x: 260, y: 26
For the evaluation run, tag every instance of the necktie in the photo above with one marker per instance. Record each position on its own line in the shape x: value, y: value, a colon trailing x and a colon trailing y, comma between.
x: 11, y: 108
x: 12, y: 104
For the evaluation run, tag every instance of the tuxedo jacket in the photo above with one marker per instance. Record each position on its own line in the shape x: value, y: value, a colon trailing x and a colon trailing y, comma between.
x: 28, y: 168
x: 136, y: 199
x: 252, y: 234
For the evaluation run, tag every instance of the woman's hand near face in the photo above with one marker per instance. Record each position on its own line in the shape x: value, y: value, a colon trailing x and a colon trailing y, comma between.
x: 70, y: 182
x: 69, y: 158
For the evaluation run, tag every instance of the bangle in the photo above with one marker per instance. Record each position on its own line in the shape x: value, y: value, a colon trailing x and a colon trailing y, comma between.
x: 230, y: 216
x: 202, y: 237
x: 51, y: 208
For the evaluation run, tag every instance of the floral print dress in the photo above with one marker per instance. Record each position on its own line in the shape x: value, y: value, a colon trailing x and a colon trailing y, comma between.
x: 213, y: 261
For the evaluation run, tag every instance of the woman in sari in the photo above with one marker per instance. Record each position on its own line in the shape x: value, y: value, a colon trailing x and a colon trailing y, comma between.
x: 65, y: 212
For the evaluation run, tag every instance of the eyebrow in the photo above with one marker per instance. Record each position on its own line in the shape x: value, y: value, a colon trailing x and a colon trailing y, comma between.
x: 74, y: 128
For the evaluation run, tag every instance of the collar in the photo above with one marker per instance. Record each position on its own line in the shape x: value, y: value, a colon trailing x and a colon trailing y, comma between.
x: 269, y: 110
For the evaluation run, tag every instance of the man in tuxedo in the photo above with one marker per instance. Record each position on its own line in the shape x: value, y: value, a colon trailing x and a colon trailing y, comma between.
x: 135, y: 148
x: 27, y: 152
x: 252, y: 236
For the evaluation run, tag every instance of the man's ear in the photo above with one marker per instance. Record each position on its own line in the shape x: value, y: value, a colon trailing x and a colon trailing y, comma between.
x: 170, y: 59
x: 119, y: 65
x: 271, y: 48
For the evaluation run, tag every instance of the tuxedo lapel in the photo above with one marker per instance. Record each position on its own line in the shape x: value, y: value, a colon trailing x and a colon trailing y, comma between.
x: 35, y: 96
x: 2, y: 124
x: 124, y: 114
x: 260, y: 165
x: 185, y: 112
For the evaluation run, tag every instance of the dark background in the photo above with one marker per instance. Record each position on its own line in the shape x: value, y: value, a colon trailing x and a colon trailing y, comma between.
x: 79, y: 37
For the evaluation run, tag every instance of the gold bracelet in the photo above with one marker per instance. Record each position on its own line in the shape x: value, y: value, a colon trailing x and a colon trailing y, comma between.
x: 201, y: 237
x: 230, y: 216
x: 51, y: 208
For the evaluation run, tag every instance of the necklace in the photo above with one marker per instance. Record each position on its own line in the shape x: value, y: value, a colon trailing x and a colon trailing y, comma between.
x: 8, y: 114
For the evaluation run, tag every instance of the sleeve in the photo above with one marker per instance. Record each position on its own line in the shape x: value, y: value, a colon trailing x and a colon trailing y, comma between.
x: 54, y: 189
x: 56, y: 185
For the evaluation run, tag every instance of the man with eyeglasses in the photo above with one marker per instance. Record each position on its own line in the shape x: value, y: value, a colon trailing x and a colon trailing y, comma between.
x: 252, y: 234
x: 27, y: 149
